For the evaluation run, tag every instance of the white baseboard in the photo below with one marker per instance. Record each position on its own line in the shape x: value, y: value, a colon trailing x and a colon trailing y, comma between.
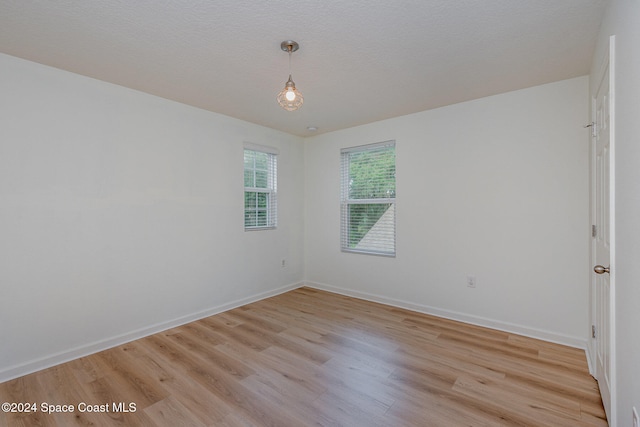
x: 94, y: 347
x: 540, y: 334
x: 85, y: 350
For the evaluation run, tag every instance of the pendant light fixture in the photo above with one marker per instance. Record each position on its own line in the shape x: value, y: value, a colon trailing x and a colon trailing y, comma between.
x: 290, y: 98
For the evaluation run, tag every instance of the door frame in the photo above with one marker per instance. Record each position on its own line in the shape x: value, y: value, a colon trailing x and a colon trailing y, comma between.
x: 608, y: 60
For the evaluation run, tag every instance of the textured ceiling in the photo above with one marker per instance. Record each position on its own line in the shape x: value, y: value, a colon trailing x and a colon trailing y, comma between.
x: 359, y: 60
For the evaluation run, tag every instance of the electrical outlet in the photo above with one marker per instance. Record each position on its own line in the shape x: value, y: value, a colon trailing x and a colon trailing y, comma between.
x: 636, y: 420
x: 471, y: 281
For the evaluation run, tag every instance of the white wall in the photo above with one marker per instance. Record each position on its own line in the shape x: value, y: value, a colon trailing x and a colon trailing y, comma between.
x: 497, y: 188
x: 122, y: 213
x: 623, y: 20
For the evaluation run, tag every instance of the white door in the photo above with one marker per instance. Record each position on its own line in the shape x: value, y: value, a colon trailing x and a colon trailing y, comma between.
x: 602, y: 283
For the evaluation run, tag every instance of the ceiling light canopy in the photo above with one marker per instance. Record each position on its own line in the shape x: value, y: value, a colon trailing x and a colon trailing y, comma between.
x: 290, y: 98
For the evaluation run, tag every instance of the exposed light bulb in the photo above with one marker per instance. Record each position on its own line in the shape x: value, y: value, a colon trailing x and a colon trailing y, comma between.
x: 290, y: 98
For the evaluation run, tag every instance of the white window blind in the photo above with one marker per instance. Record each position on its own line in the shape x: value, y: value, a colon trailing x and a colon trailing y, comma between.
x: 368, y: 199
x: 260, y: 187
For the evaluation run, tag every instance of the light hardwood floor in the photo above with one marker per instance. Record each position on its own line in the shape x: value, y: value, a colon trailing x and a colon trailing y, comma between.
x: 307, y: 358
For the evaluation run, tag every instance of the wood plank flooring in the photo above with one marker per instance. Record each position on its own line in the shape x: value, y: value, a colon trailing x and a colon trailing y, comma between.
x: 312, y: 358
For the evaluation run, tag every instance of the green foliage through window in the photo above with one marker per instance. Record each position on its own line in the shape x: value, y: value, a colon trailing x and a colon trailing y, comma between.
x: 260, y: 189
x: 368, y: 198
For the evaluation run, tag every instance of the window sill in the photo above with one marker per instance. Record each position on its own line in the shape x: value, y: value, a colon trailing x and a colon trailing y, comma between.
x: 363, y: 252
x: 259, y: 228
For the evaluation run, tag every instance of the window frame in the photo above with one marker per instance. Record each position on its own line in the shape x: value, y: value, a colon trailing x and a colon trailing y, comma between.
x: 270, y: 190
x: 346, y: 201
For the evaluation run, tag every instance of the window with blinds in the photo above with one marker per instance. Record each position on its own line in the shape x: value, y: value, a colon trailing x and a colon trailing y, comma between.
x: 260, y: 187
x: 368, y: 199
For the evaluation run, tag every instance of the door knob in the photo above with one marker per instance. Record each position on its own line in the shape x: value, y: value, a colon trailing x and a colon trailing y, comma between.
x: 600, y: 269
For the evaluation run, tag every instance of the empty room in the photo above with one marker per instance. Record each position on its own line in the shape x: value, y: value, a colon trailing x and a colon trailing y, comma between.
x: 304, y: 213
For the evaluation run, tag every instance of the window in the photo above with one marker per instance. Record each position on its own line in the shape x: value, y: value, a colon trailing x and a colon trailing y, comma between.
x: 260, y: 187
x: 368, y: 199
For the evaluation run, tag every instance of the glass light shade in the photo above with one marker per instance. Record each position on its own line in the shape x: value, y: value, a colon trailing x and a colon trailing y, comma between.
x: 290, y: 98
